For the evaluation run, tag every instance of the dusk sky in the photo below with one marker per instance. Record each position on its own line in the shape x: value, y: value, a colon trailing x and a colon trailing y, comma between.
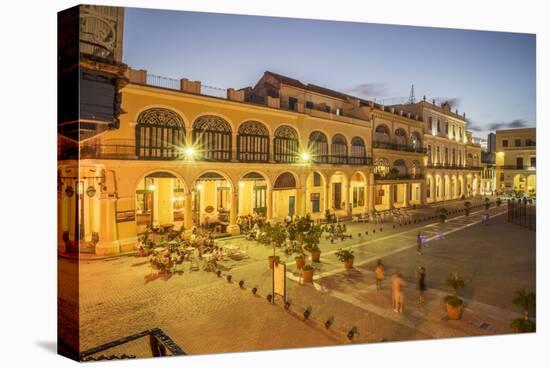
x: 488, y: 75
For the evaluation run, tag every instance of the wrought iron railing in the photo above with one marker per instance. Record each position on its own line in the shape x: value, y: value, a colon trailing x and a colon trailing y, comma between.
x: 129, y: 152
x: 399, y: 147
x: 523, y: 212
x: 391, y: 176
x: 453, y: 166
x: 162, y: 81
x: 517, y: 167
x: 159, y: 345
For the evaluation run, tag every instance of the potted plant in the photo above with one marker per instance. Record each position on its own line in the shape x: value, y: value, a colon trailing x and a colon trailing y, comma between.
x: 307, y: 273
x: 526, y: 300
x: 487, y: 203
x: 452, y: 301
x: 467, y: 206
x: 345, y: 256
x: 274, y: 235
x: 498, y: 201
x: 442, y: 213
x: 300, y: 260
x: 311, y: 240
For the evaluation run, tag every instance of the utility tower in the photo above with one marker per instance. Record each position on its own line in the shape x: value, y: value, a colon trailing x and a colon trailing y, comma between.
x: 412, y: 99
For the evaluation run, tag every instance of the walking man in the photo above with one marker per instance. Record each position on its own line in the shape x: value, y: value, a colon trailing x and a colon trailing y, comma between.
x: 421, y: 283
x: 379, y: 274
x: 419, y: 243
x: 399, y: 295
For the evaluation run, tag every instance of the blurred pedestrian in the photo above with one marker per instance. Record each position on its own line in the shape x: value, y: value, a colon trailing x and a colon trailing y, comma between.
x: 419, y: 243
x: 421, y: 283
x: 379, y: 274
x: 397, y: 292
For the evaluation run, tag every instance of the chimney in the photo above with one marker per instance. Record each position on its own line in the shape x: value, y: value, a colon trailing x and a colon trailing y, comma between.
x: 137, y: 76
x: 235, y: 95
x: 190, y: 86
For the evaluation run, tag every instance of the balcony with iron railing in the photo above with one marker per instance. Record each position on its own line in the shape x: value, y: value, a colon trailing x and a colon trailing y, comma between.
x: 129, y: 152
x: 517, y: 167
x: 398, y: 176
x: 399, y: 147
x: 454, y: 166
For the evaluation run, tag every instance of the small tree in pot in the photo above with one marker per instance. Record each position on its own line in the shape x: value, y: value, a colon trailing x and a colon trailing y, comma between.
x: 498, y: 201
x: 467, y: 206
x: 311, y: 241
x: 275, y: 235
x: 526, y: 300
x: 345, y: 256
x: 452, y: 301
x: 487, y: 203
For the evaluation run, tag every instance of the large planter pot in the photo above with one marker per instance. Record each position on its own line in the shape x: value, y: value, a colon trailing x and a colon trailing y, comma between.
x: 300, y: 262
x: 454, y: 312
x: 271, y: 262
x: 307, y: 275
x: 316, y: 256
x: 349, y: 264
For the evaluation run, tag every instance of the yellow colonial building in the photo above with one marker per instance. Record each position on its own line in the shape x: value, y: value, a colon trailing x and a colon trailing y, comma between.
x: 453, y: 161
x: 516, y: 161
x: 181, y: 157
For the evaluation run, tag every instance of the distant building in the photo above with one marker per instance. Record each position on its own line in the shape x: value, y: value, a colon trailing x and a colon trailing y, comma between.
x: 491, y: 143
x: 516, y: 161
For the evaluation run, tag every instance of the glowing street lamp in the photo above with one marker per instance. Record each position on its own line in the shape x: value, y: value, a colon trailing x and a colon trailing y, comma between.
x: 151, y: 187
x: 189, y: 152
x: 305, y: 157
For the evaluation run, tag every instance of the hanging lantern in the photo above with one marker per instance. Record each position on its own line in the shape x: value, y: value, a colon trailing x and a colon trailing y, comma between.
x: 90, y: 191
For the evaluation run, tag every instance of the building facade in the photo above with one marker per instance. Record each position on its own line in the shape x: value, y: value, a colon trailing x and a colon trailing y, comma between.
x: 181, y: 157
x: 516, y: 161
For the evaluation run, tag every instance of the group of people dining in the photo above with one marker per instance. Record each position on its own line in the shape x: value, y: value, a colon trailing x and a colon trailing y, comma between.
x: 197, y: 249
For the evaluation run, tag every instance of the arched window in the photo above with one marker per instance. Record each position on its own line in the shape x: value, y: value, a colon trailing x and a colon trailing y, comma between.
x: 339, y: 149
x: 285, y: 144
x: 416, y: 141
x: 285, y: 181
x: 318, y: 146
x: 212, y: 137
x: 382, y: 134
x: 415, y: 169
x: 358, y: 151
x: 400, y: 167
x: 252, y: 142
x: 400, y: 137
x: 159, y: 133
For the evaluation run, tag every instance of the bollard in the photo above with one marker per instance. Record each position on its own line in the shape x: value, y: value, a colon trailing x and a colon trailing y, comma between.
x: 229, y: 277
x: 307, y: 312
x: 219, y: 273
x: 352, y: 332
x: 287, y: 305
x: 241, y: 283
x: 254, y: 290
x: 269, y: 298
x: 329, y: 322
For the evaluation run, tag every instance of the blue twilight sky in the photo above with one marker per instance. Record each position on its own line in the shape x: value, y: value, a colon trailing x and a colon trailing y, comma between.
x: 489, y: 75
